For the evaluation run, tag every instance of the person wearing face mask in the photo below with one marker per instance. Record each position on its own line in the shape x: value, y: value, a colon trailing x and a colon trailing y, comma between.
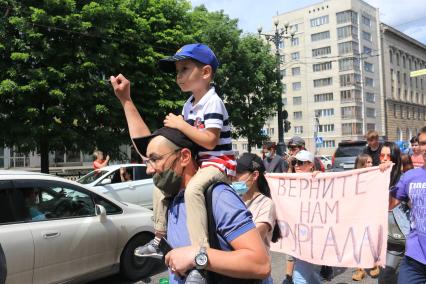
x: 273, y: 162
x: 250, y: 183
x: 172, y: 161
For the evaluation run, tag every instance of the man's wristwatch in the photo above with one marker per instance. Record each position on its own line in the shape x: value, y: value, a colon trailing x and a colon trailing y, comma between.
x: 201, y: 259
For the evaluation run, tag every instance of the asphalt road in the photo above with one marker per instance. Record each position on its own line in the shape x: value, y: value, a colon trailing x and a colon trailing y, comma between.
x: 341, y: 275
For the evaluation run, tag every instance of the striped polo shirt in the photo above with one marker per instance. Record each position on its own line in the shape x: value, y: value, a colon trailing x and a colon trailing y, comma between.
x: 210, y: 112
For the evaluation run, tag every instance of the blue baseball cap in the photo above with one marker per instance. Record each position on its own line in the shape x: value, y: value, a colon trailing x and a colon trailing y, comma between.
x: 196, y: 51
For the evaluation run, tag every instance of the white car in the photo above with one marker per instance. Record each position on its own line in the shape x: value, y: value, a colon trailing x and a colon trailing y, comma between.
x: 107, y: 180
x: 326, y: 160
x: 53, y: 231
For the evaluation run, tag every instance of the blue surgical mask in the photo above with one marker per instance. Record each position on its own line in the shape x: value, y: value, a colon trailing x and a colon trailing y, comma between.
x: 268, y: 154
x: 240, y: 187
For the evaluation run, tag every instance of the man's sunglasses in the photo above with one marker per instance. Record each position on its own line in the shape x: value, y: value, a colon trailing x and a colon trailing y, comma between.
x: 297, y: 162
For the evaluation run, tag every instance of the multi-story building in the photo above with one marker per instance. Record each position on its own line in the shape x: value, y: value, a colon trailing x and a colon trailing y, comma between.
x: 404, y: 96
x: 330, y: 71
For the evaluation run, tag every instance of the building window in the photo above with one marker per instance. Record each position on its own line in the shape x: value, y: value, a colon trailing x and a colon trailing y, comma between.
x: 350, y: 79
x: 270, y: 132
x: 245, y: 146
x: 348, y: 16
x: 403, y: 62
x: 323, y: 82
x: 351, y: 128
x: 283, y: 73
x: 295, y: 71
x: 370, y: 112
x: 397, y: 58
x: 297, y: 115
x: 349, y: 96
x: 351, y: 112
x: 367, y: 50
x: 297, y: 86
x: 347, y: 31
x: 348, y: 47
x: 282, y: 58
x: 284, y: 101
x: 281, y: 44
x: 321, y: 51
x: 324, y: 112
x: 298, y: 129
x: 349, y: 63
x: 368, y: 67
x: 234, y: 146
x: 294, y: 27
x: 328, y: 144
x: 321, y: 66
x: 370, y: 97
x: 295, y: 56
x: 371, y: 126
x: 326, y: 128
x: 323, y: 97
x: 320, y: 36
x: 284, y: 88
x: 366, y: 21
x: 295, y: 41
x: 390, y: 56
x: 297, y: 100
x: 394, y: 110
x: 316, y: 22
x: 369, y: 82
x: 366, y: 36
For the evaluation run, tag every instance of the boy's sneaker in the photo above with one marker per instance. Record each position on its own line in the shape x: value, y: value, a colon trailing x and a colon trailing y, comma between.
x: 150, y: 249
x: 195, y: 277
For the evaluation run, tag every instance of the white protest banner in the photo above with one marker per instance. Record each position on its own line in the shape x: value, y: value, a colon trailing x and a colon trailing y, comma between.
x: 337, y: 219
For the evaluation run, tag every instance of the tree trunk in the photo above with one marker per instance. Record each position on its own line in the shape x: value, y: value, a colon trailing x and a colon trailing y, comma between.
x: 249, y: 143
x: 44, y: 155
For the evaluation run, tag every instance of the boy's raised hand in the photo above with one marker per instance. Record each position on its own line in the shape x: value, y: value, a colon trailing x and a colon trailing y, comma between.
x: 121, y: 87
x: 174, y: 121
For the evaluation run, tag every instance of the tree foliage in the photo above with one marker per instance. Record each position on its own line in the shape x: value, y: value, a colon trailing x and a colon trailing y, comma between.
x: 56, y: 57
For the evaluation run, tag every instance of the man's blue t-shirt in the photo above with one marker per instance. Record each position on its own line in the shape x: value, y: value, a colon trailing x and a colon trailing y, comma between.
x: 230, y: 213
x: 412, y: 187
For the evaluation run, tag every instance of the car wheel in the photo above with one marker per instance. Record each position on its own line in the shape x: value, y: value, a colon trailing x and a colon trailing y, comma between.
x: 134, y: 268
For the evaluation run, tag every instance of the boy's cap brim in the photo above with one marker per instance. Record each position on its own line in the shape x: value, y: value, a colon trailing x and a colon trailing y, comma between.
x: 197, y: 51
x: 167, y: 65
x: 172, y: 134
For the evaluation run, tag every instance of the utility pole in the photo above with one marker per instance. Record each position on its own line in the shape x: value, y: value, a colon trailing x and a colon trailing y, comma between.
x: 278, y: 36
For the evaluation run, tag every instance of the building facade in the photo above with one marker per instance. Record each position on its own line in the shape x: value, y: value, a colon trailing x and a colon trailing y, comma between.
x: 404, y: 96
x: 330, y: 74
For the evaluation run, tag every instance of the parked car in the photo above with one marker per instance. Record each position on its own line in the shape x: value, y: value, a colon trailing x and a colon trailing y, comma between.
x: 54, y: 230
x: 326, y: 160
x: 107, y: 181
x: 346, y: 153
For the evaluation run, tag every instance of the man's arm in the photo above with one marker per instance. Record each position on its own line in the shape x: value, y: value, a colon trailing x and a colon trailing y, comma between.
x: 393, y: 202
x: 249, y: 253
x: 135, y: 123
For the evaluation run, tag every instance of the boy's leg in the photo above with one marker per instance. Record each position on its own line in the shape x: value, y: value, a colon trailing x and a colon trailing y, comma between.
x: 196, y: 213
x: 159, y: 206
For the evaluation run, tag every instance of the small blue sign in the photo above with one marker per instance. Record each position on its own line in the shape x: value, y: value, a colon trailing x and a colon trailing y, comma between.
x: 319, y: 140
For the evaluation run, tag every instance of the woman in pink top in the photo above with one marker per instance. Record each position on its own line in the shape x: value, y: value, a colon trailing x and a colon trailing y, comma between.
x: 250, y: 183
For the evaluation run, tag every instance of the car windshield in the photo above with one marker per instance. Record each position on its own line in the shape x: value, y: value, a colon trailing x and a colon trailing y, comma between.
x: 91, y: 177
x: 348, y: 150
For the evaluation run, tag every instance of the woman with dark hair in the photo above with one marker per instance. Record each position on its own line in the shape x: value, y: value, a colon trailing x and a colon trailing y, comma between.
x: 397, y: 218
x: 250, y: 183
x: 406, y: 163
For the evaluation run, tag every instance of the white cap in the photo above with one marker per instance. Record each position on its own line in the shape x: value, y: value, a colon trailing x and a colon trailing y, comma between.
x: 304, y: 156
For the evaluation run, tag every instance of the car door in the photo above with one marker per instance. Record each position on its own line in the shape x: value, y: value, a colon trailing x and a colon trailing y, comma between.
x: 69, y: 239
x: 15, y: 236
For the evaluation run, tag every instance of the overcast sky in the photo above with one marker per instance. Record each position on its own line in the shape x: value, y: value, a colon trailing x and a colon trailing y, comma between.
x: 408, y: 16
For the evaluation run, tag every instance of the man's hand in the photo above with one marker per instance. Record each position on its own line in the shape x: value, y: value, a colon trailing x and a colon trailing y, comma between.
x: 174, y: 121
x: 180, y: 260
x: 121, y: 87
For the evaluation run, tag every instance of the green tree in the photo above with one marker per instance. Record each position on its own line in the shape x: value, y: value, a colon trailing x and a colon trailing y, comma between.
x: 55, y: 54
x: 246, y: 77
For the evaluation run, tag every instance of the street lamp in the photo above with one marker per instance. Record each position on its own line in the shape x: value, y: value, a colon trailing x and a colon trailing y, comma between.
x: 278, y: 36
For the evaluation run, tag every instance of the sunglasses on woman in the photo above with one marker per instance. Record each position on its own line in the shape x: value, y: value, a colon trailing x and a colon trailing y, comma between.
x: 297, y: 162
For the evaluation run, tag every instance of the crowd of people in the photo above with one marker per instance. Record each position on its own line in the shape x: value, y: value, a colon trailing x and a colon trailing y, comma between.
x: 235, y: 221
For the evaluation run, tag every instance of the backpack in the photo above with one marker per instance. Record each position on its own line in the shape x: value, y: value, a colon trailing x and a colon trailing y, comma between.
x: 213, y: 277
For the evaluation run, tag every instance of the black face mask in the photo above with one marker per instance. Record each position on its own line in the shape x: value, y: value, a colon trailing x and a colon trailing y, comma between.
x: 168, y: 181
